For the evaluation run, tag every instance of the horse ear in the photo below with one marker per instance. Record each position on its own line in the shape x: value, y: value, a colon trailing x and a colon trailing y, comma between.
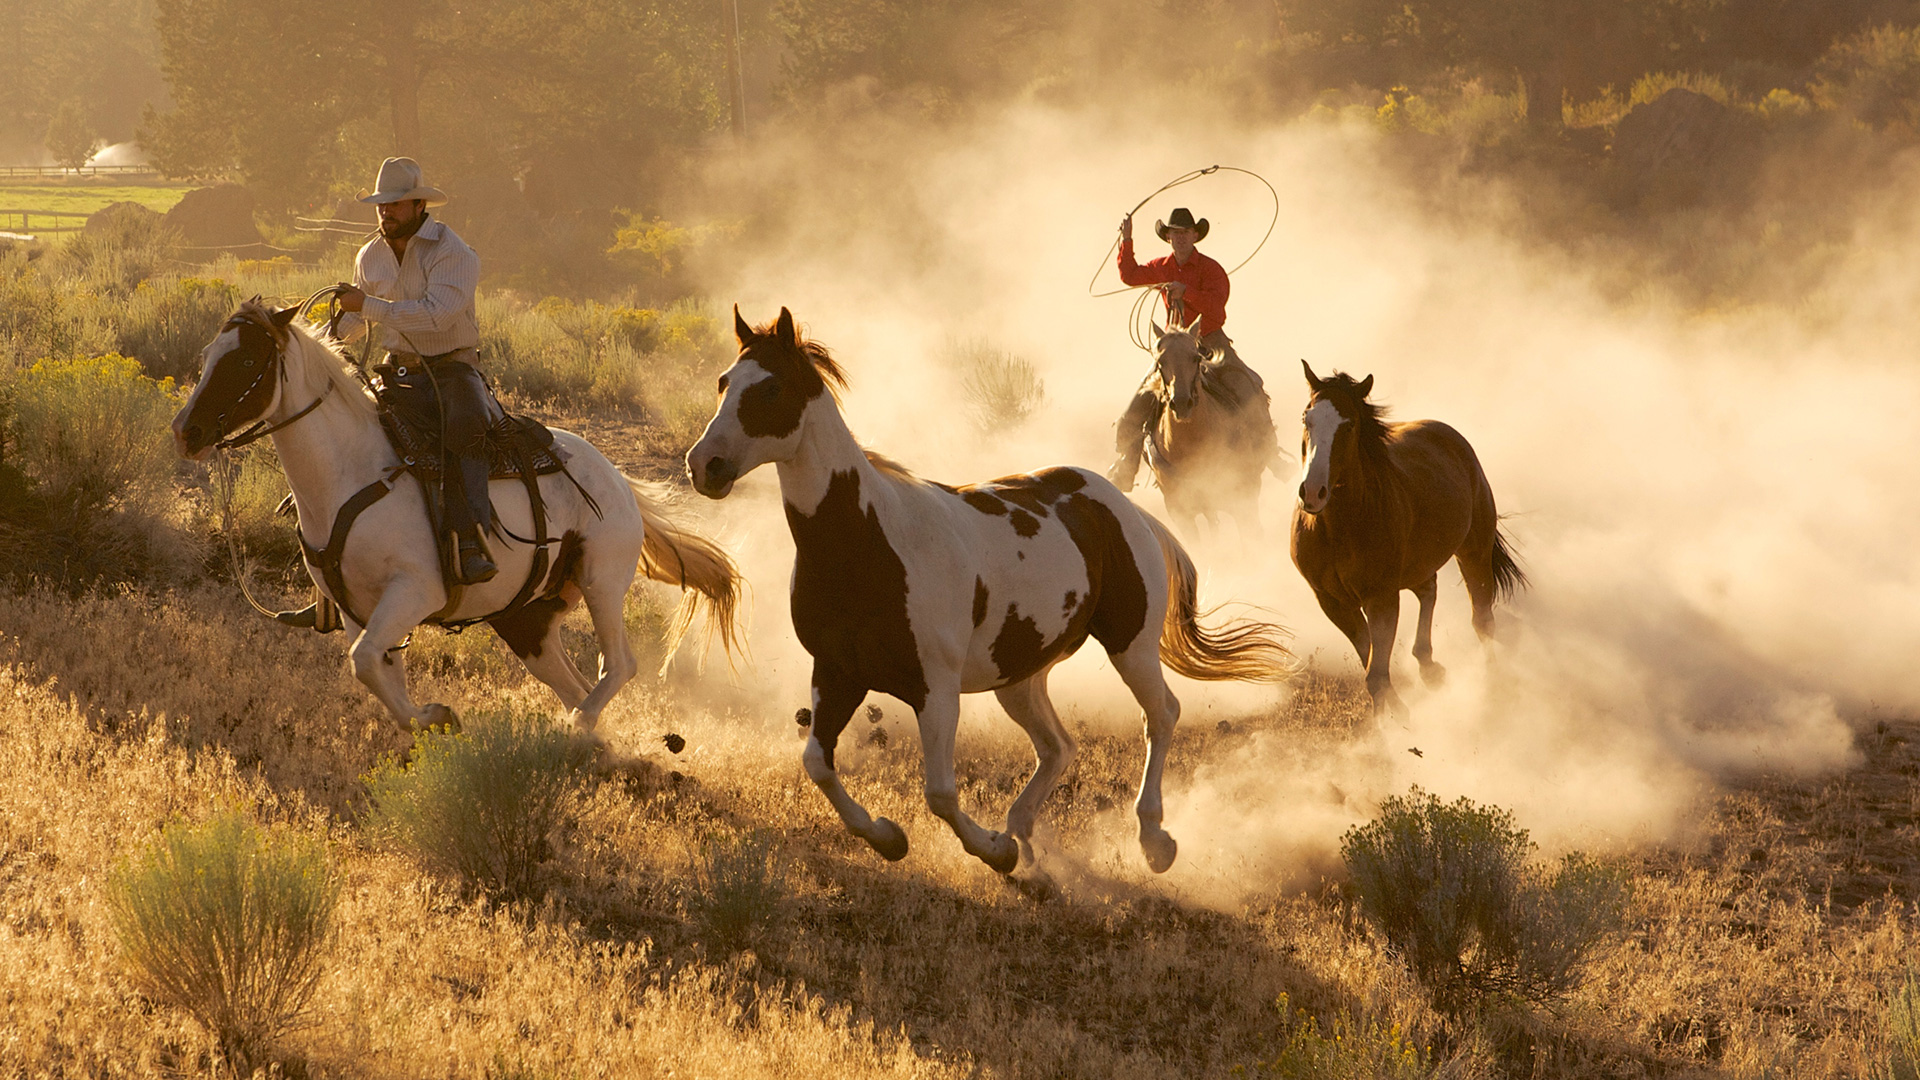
x: 284, y: 317
x: 1366, y: 386
x: 1314, y: 382
x: 741, y: 331
x: 1157, y: 332
x: 785, y: 328
x: 1192, y: 327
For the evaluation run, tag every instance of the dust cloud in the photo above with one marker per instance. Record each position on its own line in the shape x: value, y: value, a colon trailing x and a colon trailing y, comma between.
x: 1715, y: 510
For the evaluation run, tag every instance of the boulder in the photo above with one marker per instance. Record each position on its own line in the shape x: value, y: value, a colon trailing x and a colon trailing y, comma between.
x: 216, y: 217
x: 121, y: 217
x: 1684, y: 147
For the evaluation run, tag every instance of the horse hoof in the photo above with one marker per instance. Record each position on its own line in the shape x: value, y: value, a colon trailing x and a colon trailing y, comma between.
x: 1434, y: 675
x: 889, y: 840
x: 439, y: 718
x: 1160, y: 850
x: 1002, y: 854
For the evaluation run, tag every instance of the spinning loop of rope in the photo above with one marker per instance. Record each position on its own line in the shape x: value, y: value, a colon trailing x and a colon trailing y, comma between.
x: 1135, y: 320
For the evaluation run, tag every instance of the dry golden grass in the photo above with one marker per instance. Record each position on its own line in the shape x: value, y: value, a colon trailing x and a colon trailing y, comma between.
x: 1767, y: 950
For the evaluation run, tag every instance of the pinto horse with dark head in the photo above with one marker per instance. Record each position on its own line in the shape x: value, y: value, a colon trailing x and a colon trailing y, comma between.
x: 363, y: 523
x: 926, y: 592
x: 1382, y: 508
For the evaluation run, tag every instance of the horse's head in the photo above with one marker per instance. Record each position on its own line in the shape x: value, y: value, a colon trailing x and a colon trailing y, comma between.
x: 1176, y: 356
x: 1336, y: 409
x: 237, y: 384
x: 764, y: 398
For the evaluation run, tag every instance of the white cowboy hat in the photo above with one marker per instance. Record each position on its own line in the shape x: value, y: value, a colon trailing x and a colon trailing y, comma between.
x: 400, y: 180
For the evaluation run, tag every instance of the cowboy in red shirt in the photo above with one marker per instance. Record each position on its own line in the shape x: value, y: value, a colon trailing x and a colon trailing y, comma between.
x: 1192, y: 284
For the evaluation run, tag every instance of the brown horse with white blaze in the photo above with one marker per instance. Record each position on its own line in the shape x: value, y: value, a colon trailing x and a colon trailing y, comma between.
x: 1382, y: 508
x: 924, y: 592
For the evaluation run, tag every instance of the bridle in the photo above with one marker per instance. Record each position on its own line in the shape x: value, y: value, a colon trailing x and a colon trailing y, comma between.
x: 261, y: 428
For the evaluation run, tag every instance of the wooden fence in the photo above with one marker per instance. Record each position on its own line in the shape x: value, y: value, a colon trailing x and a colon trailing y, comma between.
x: 49, y: 221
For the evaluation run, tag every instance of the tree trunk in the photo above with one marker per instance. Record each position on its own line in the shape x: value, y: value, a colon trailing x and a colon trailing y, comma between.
x: 404, y: 75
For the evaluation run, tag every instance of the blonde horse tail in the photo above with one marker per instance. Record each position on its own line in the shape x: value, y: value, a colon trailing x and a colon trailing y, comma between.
x: 1246, y: 650
x: 704, y: 572
x: 1508, y: 578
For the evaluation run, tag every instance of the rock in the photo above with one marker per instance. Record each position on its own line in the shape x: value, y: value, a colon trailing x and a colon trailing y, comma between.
x: 1683, y: 147
x: 121, y: 217
x: 216, y: 217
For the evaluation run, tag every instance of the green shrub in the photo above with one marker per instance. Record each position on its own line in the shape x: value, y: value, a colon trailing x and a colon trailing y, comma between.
x: 1874, y: 77
x: 115, y: 257
x: 93, y: 433
x: 482, y: 805
x: 1351, y: 1050
x: 1903, y: 1030
x: 166, y: 322
x: 740, y: 883
x: 228, y: 923
x: 1001, y: 389
x: 1452, y: 889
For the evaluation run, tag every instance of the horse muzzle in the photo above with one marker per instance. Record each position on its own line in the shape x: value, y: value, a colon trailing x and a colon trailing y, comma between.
x: 714, y: 477
x: 1313, y: 498
x: 190, y: 440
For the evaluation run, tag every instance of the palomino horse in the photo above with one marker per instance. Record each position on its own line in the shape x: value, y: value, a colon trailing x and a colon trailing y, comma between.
x: 1382, y: 508
x: 268, y: 370
x: 1214, y: 438
x: 925, y: 592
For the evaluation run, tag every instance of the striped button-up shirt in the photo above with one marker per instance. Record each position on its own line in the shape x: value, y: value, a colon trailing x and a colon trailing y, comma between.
x: 424, y: 303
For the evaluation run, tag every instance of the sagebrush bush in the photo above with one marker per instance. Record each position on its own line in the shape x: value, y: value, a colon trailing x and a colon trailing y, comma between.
x: 740, y: 883
x: 92, y: 433
x: 166, y: 322
x: 1000, y: 388
x: 228, y: 923
x: 1903, y: 1030
x: 1452, y: 888
x: 482, y: 804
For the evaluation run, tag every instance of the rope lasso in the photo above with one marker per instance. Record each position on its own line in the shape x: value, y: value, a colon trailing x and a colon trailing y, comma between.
x: 1148, y: 292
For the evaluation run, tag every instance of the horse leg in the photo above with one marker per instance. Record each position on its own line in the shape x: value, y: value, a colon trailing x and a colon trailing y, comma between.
x: 606, y: 596
x: 1430, y: 673
x: 1053, y: 750
x: 403, y: 604
x: 1383, y: 622
x: 834, y: 699
x: 1477, y: 572
x: 1350, y: 620
x: 939, y: 720
x: 549, y: 662
x: 1139, y: 668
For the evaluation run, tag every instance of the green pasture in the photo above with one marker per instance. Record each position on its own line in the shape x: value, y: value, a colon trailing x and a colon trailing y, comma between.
x: 60, y: 198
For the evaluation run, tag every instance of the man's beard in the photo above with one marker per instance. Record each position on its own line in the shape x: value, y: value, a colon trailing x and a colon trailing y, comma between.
x: 402, y: 230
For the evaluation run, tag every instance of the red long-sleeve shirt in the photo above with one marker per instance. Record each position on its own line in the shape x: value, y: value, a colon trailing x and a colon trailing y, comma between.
x: 1206, y: 283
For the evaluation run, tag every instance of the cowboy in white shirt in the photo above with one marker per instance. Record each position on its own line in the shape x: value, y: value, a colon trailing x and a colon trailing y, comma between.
x: 414, y: 283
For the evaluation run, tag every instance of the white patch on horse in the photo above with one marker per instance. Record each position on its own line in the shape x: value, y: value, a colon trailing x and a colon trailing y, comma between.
x: 1322, y: 423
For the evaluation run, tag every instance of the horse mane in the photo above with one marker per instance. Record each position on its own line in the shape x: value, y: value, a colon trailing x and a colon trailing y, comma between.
x: 891, y: 468
x: 330, y: 358
x: 816, y: 355
x: 1369, y: 424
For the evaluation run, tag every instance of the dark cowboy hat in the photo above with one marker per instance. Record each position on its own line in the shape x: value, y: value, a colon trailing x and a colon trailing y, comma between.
x: 1182, y: 218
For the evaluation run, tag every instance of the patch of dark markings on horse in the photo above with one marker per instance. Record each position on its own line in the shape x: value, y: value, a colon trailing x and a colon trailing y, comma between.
x: 1024, y: 523
x: 979, y: 601
x: 1116, y: 593
x: 524, y: 630
x: 948, y: 488
x: 1066, y: 606
x: 1037, y: 492
x: 983, y: 501
x: 850, y: 594
x: 1019, y: 649
x: 1022, y: 554
x: 771, y: 408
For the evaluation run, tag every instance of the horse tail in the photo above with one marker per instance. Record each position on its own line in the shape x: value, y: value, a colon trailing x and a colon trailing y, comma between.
x: 1242, y: 649
x: 1508, y: 578
x: 703, y: 571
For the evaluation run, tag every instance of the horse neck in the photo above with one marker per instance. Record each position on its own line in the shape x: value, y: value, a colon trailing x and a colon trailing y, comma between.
x: 827, y: 446
x: 1379, y: 483
x: 330, y: 453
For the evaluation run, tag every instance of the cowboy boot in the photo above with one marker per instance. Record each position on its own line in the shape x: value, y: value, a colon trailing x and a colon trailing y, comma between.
x: 1124, y: 468
x: 306, y: 618
x: 475, y: 567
